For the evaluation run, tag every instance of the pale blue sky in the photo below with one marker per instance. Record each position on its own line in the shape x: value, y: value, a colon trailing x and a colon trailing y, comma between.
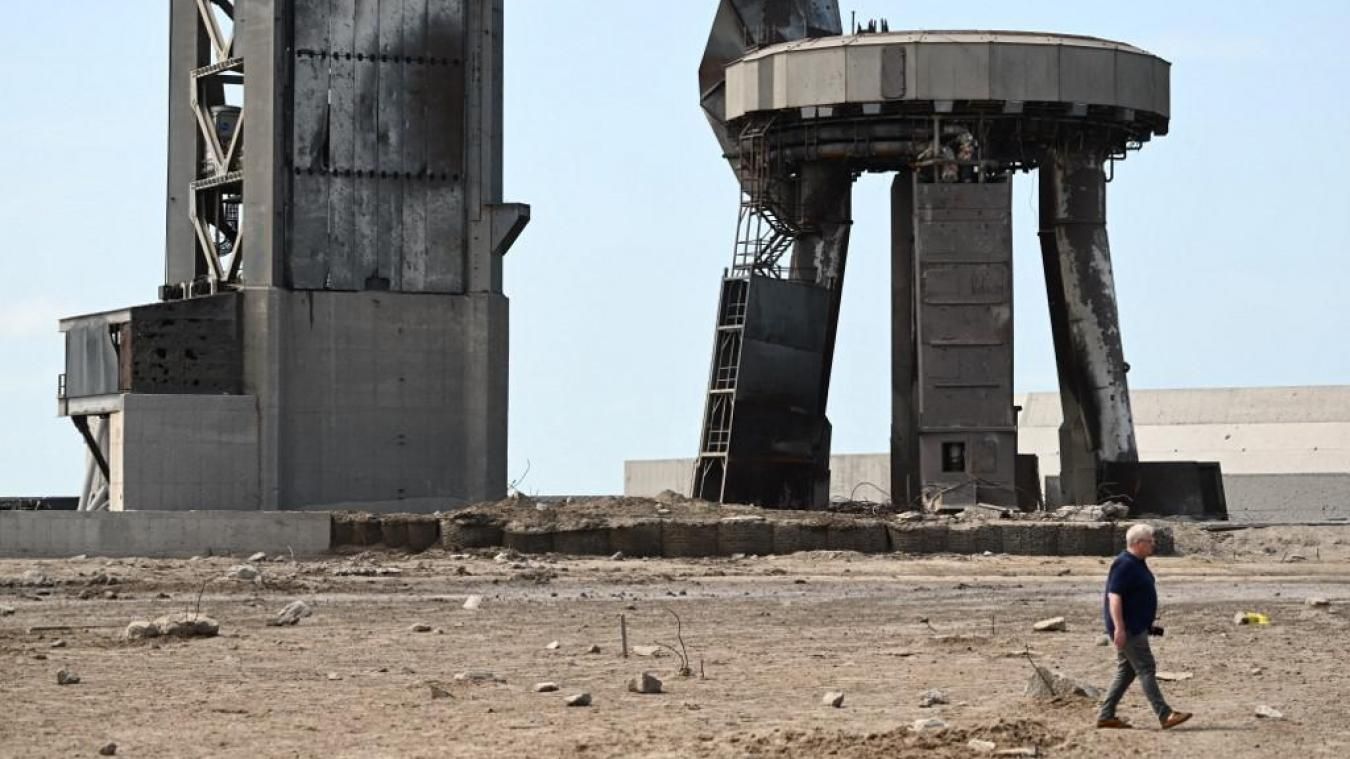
x: 1231, y: 236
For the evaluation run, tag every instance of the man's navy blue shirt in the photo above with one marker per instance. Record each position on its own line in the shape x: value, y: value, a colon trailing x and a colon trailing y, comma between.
x: 1131, y: 579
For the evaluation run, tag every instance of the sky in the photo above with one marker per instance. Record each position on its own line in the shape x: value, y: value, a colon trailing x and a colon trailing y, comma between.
x: 1230, y: 236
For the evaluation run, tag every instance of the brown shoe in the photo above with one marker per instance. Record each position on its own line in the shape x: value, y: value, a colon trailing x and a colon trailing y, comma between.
x: 1174, y: 719
x: 1113, y: 723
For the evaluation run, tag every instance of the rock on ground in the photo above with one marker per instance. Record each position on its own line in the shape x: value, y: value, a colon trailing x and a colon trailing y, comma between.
x: 1053, y: 624
x: 477, y: 676
x: 1315, y: 601
x: 593, y: 649
x: 645, y: 683
x: 932, y: 698
x: 186, y: 625
x: 981, y: 747
x: 647, y: 650
x: 545, y: 687
x: 140, y: 629
x: 1268, y: 712
x: 292, y: 614
x: 108, y: 749
x: 419, y: 627
x: 579, y: 699
x: 929, y: 723
x: 66, y: 677
x: 553, y: 645
x: 257, y: 557
x: 833, y: 698
x: 473, y: 602
x: 1044, y: 683
x: 5, y: 611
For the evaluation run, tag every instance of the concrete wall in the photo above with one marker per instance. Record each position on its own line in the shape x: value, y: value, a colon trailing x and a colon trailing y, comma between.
x: 161, y: 534
x: 383, y: 401
x: 1277, y: 430
x: 181, y: 452
x: 1285, y: 452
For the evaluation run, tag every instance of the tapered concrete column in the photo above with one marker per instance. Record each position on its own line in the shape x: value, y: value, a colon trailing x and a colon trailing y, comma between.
x: 906, y: 482
x: 1098, y: 425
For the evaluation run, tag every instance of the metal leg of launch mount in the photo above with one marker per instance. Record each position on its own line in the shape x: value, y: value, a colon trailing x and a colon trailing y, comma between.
x: 1098, y: 425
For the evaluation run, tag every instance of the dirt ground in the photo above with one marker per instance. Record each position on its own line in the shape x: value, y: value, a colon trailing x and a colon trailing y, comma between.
x: 766, y: 638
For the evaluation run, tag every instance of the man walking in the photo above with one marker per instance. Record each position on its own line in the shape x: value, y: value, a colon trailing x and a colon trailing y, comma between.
x: 1129, y: 607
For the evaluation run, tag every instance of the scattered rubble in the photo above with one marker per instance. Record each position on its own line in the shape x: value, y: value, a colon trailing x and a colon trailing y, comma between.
x: 932, y: 698
x: 649, y: 683
x: 1053, y: 624
x: 291, y: 615
x: 34, y: 578
x: 833, y: 698
x: 367, y: 571
x: 579, y: 699
x: 242, y: 572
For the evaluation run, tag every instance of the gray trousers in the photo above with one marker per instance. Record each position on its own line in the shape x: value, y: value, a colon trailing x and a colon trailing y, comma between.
x: 1135, y: 660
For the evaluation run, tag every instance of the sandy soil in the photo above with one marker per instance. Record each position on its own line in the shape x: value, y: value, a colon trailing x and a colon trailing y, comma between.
x: 769, y: 635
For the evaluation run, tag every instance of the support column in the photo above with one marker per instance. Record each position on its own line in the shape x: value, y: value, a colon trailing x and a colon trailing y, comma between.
x: 1098, y: 425
x: 819, y: 256
x: 905, y: 482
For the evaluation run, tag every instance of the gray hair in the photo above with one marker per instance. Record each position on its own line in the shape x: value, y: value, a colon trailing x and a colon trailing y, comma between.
x: 1138, y: 534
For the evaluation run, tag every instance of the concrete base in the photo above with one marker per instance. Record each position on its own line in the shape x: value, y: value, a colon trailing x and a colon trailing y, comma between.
x: 168, y: 534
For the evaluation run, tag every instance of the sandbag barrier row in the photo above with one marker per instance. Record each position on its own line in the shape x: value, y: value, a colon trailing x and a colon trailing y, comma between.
x: 677, y: 538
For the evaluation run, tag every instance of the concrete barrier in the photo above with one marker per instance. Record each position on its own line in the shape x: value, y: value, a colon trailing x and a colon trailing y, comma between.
x: 470, y: 531
x: 528, y: 539
x: 637, y: 538
x: 794, y: 536
x: 863, y: 536
x: 749, y: 535
x: 688, y: 539
x: 168, y: 534
x: 587, y: 541
x: 918, y: 538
